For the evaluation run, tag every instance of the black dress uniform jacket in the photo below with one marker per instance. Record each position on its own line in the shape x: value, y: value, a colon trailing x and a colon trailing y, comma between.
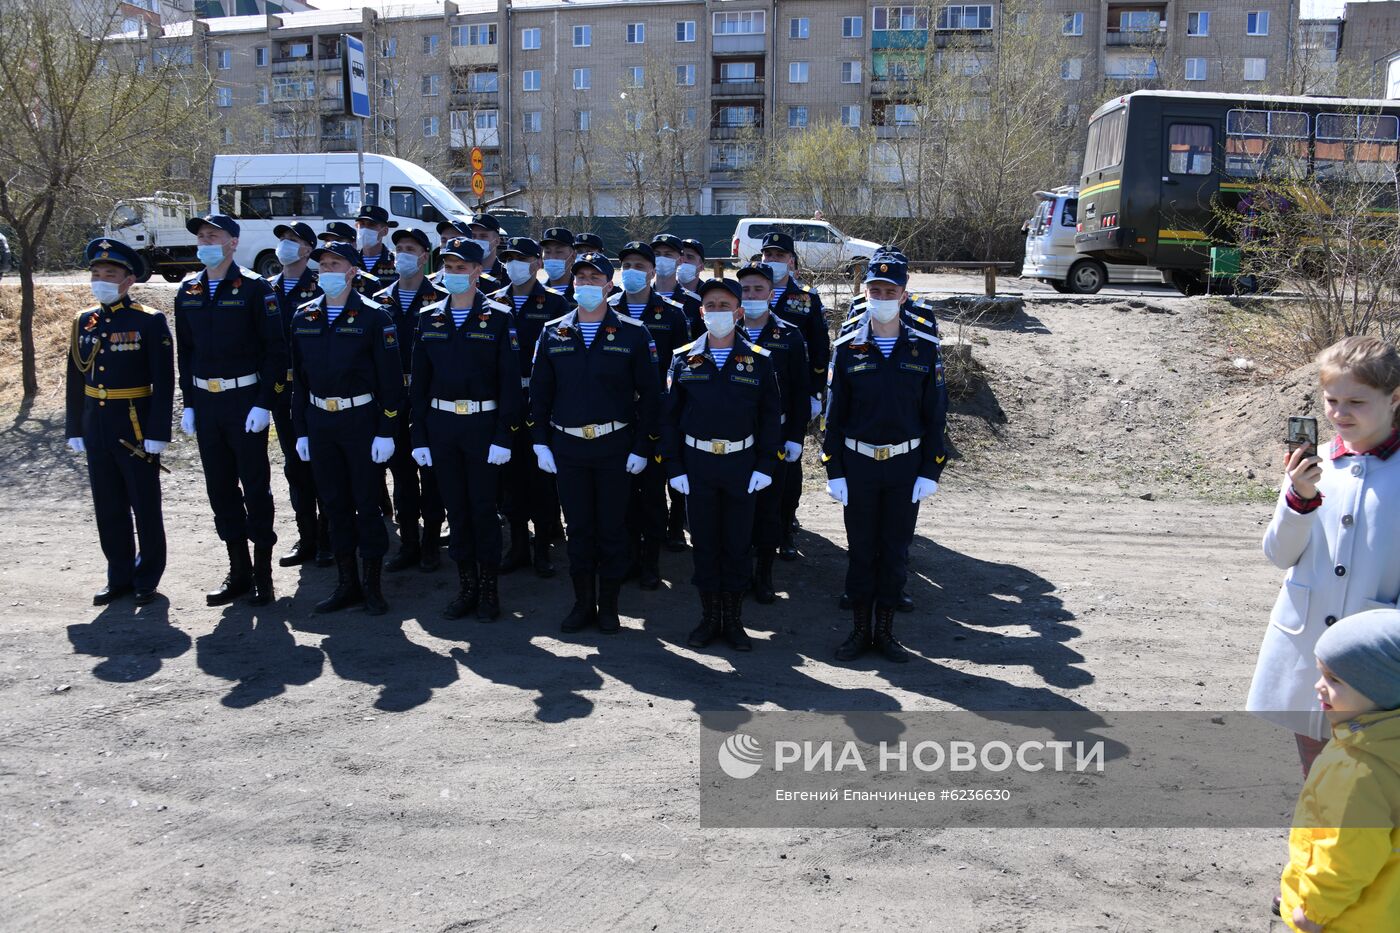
x: 234, y: 332
x: 788, y: 352
x: 665, y: 320
x: 914, y: 311
x: 802, y: 307
x: 122, y: 346
x: 407, y: 321
x: 729, y: 403
x: 479, y: 361
x: 358, y: 354
x: 690, y: 304
x: 542, y: 305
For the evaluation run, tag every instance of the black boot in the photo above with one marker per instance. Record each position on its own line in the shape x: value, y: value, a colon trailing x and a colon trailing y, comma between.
x: 675, y: 526
x: 324, y: 556
x: 239, y: 579
x: 408, y: 549
x: 787, y: 550
x: 518, y: 554
x: 710, y: 621
x: 906, y: 602
x: 585, y: 610
x: 608, y: 621
x: 884, y: 636
x: 262, y: 576
x: 347, y: 588
x: 305, y: 547
x: 859, y: 642
x: 431, y: 559
x: 763, y: 578
x: 468, y: 591
x: 544, y: 566
x: 374, y: 598
x: 489, y: 608
x: 650, y: 576
x: 732, y: 617
x: 109, y: 594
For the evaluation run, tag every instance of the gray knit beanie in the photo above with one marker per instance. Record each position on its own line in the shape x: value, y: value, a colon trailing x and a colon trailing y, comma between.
x: 1364, y: 651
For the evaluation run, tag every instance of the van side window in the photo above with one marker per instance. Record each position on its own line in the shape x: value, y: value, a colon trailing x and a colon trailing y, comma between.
x: 1266, y: 142
x: 343, y: 201
x: 759, y: 231
x: 1069, y: 216
x: 1189, y: 148
x: 406, y: 202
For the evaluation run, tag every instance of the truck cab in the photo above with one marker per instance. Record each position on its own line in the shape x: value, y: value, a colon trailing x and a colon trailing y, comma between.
x: 155, y: 228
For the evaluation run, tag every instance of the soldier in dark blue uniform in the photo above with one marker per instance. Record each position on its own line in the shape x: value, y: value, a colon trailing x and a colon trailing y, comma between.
x: 691, y: 265
x: 338, y: 231
x: 415, y: 487
x: 588, y: 242
x: 467, y: 408
x: 667, y: 248
x: 594, y: 404
x: 120, y: 390
x: 720, y: 438
x: 294, y: 286
x: 788, y: 353
x: 802, y: 307
x: 529, y: 493
x: 446, y: 230
x: 665, y: 320
x: 371, y: 239
x: 557, y: 252
x: 347, y: 400
x: 884, y: 451
x: 486, y: 233
x: 232, y: 352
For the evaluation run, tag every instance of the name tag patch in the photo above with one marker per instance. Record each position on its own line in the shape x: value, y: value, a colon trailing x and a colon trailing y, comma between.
x: 860, y: 368
x: 746, y: 380
x: 914, y: 367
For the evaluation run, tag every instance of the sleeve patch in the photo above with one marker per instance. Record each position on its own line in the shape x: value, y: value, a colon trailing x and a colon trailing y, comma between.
x: 391, y: 337
x: 270, y: 305
x: 651, y: 347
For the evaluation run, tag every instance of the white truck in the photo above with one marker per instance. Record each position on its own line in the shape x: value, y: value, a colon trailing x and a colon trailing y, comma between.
x: 155, y: 228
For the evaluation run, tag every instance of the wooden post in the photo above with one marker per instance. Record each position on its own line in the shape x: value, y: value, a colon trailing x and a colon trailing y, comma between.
x: 717, y: 268
x: 990, y: 276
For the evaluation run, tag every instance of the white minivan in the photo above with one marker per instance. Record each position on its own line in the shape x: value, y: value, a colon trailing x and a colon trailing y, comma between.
x: 1050, y: 254
x: 820, y: 246
x: 262, y: 191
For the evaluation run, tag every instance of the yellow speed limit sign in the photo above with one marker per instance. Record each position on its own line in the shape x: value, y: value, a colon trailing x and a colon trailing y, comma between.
x: 478, y: 160
x: 478, y: 184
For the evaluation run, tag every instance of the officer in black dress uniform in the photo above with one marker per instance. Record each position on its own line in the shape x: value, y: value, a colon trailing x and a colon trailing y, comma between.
x: 338, y: 231
x: 294, y: 286
x: 232, y: 351
x: 557, y: 256
x: 884, y: 451
x: 415, y: 487
x: 467, y: 408
x: 372, y: 240
x: 720, y: 437
x: 119, y: 394
x: 447, y: 230
x: 486, y: 233
x: 347, y: 401
x: 529, y: 493
x: 594, y: 405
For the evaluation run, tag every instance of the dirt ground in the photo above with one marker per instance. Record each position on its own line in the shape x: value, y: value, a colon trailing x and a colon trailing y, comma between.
x: 231, y: 769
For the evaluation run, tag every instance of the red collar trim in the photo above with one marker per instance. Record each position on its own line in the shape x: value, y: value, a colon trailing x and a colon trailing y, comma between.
x: 1383, y: 450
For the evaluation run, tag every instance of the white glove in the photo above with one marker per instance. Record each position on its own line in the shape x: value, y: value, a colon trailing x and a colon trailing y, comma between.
x: 498, y: 455
x: 681, y: 484
x: 187, y: 422
x: 304, y: 448
x: 836, y: 489
x: 257, y: 420
x: 544, y: 457
x: 816, y: 407
x: 382, y: 449
x: 155, y: 447
x: 759, y: 481
x: 423, y: 456
x: 924, y: 487
x: 793, y: 451
x: 76, y: 445
x: 636, y: 464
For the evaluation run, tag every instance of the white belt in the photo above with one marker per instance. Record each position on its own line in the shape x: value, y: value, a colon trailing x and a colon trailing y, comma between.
x: 884, y: 452
x: 463, y: 406
x: 223, y: 385
x: 720, y: 447
x: 336, y: 404
x: 590, y: 431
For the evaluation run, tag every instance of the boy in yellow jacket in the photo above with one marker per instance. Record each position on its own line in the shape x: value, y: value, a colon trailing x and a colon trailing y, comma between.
x: 1343, y: 872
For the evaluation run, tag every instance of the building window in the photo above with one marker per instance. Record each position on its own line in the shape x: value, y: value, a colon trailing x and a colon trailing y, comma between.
x: 583, y: 37
x: 634, y: 75
x: 688, y: 116
x: 477, y: 34
x: 1138, y: 20
x: 225, y: 59
x: 530, y: 81
x: 386, y: 88
x: 749, y: 22
x: 430, y: 126
x: 1198, y: 24
x: 850, y: 72
x: 530, y: 38
x: 585, y: 120
x: 797, y: 72
x: 797, y: 117
x: 737, y: 116
x: 1255, y: 69
x: 852, y: 27
x: 970, y: 16
x: 484, y: 82
x: 799, y: 27
x: 685, y: 31
x: 532, y: 163
x: 896, y: 18
x: 636, y: 33
x: 431, y: 85
x: 1072, y: 69
x: 1257, y: 23
x: 389, y: 48
x: 263, y: 95
x: 260, y: 56
x: 1196, y: 69
x: 1074, y: 24
x: 685, y: 75
x: 430, y: 45
x: 228, y: 136
x: 532, y: 121
x: 583, y: 79
x: 1189, y: 148
x: 850, y: 115
x: 225, y: 97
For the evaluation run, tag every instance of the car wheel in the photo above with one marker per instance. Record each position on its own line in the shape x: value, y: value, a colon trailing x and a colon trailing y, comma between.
x: 267, y: 265
x: 1188, y: 282
x: 1085, y: 277
x: 173, y: 276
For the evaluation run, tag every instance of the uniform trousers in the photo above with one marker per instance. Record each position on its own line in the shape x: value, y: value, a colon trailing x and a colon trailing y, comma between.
x: 721, y: 513
x: 124, y: 487
x: 594, y: 486
x: 468, y: 484
x: 237, y: 473
x: 879, y: 525
x: 348, y: 481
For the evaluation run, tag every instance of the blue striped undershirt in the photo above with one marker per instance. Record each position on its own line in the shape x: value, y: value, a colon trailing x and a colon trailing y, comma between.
x: 753, y: 333
x: 405, y: 299
x: 520, y: 300
x: 214, y: 285
x: 288, y: 284
x: 886, y: 344
x: 589, y: 331
x: 636, y: 310
x: 459, y: 315
x: 720, y: 355
x: 333, y: 312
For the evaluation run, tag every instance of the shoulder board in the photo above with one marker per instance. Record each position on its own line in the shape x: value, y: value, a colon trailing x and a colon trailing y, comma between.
x: 914, y: 331
x: 690, y: 294
x: 371, y: 304
x: 628, y: 319
x: 552, y: 291
x: 308, y: 305
x: 672, y: 302
x: 760, y: 350
x: 435, y: 306
x: 493, y: 294
x: 615, y: 297
x: 386, y: 294
x: 369, y: 277
x: 192, y: 276
x: 250, y: 274
x: 558, y: 320
x: 845, y: 337
x: 86, y: 311
x: 145, y: 309
x: 683, y: 351
x: 496, y: 305
x: 782, y: 323
x: 435, y: 288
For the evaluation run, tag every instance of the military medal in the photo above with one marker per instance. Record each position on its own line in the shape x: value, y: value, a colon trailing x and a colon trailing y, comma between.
x: 482, y: 325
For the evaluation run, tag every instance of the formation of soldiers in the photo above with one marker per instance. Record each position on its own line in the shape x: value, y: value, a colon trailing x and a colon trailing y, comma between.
x: 518, y: 379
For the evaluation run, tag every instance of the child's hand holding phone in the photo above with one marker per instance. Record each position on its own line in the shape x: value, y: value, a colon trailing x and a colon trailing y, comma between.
x: 1304, y: 471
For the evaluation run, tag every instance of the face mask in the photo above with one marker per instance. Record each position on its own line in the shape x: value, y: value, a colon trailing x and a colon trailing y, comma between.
x: 665, y: 267
x: 288, y: 251
x: 519, y: 271
x: 780, y: 269
x: 687, y: 271
x: 312, y: 264
x: 406, y: 264
x: 589, y: 297
x: 633, y: 280
x: 456, y: 282
x: 554, y: 268
x: 755, y: 308
x: 883, y: 310
x: 333, y: 283
x: 720, y: 324
x: 106, y: 292
x: 366, y: 238
x: 210, y: 254
x: 485, y: 249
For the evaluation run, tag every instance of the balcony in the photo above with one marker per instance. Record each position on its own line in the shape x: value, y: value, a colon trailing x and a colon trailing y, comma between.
x: 734, y: 130
x: 891, y: 86
x: 476, y: 100
x: 462, y: 56
x: 897, y: 131
x: 281, y: 66
x: 899, y: 39
x: 737, y: 44
x: 1135, y: 38
x: 752, y: 88
x: 337, y: 144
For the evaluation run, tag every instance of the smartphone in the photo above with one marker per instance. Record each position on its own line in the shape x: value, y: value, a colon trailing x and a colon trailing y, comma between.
x: 1302, y: 431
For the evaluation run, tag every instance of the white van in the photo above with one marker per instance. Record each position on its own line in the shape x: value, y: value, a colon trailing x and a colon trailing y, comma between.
x: 1050, y: 254
x: 262, y: 191
x: 820, y: 246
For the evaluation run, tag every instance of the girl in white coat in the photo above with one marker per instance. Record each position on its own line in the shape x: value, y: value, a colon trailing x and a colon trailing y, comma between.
x: 1336, y: 531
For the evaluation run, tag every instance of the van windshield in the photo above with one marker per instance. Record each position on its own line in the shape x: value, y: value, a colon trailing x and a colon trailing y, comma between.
x: 445, y: 200
x: 1105, y: 146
